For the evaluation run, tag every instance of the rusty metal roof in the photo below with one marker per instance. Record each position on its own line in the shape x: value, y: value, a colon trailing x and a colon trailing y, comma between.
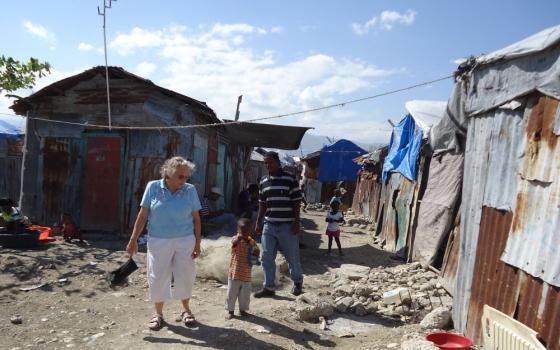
x: 21, y: 106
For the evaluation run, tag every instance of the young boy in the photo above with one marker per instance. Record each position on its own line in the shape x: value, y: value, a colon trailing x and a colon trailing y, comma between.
x: 334, y: 218
x: 239, y: 276
x: 11, y: 216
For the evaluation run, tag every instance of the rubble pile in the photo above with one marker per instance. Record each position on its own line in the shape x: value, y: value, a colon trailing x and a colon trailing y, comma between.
x: 406, y: 292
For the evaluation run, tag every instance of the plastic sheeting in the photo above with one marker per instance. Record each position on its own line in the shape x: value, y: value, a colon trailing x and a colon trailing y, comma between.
x: 527, y: 46
x: 450, y: 132
x: 426, y: 114
x: 336, y: 162
x: 404, y: 147
x: 435, y: 215
x: 11, y: 127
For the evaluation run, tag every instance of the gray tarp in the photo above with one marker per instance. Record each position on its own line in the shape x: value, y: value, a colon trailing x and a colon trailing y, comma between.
x: 435, y: 215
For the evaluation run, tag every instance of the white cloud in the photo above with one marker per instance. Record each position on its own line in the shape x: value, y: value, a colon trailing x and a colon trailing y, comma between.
x: 231, y: 29
x: 385, y: 21
x: 85, y: 47
x: 216, y: 65
x: 41, y: 32
x: 138, y: 38
x: 145, y: 69
x: 278, y: 29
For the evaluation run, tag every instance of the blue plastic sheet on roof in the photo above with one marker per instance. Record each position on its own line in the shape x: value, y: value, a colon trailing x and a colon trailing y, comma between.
x: 11, y: 127
x: 403, y: 149
x: 336, y: 161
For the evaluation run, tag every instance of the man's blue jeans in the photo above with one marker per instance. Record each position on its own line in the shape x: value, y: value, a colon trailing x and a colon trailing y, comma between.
x: 280, y: 236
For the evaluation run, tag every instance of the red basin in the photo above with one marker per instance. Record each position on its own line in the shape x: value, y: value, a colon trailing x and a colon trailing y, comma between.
x: 450, y: 341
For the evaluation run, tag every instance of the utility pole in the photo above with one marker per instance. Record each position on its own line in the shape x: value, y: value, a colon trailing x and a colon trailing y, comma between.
x: 239, y: 99
x: 103, y: 13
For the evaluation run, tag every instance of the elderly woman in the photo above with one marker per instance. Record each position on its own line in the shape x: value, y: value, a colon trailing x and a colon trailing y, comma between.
x: 171, y: 208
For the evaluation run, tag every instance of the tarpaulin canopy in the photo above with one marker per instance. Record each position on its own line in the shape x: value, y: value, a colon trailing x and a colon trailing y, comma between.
x: 265, y: 135
x: 11, y: 127
x: 336, y: 161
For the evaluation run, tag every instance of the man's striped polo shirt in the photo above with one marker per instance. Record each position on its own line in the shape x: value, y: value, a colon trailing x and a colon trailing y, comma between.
x: 279, y: 194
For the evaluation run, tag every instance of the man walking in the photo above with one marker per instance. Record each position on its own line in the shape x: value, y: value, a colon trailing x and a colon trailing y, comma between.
x: 278, y: 220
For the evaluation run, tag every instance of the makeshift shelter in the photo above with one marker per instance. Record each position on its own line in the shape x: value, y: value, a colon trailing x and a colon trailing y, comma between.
x: 310, y: 177
x: 368, y: 187
x: 508, y: 258
x: 99, y: 175
x: 12, y: 134
x: 404, y: 175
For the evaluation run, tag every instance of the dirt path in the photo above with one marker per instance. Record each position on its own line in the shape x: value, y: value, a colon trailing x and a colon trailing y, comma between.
x: 84, y: 312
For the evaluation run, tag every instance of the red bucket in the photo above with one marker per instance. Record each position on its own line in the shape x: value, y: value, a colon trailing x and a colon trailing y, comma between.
x: 450, y: 341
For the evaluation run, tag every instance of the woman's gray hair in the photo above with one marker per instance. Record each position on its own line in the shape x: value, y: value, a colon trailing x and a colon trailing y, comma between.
x: 171, y: 165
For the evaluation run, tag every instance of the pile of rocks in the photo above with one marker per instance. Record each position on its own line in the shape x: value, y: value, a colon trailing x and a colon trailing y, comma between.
x: 398, y: 292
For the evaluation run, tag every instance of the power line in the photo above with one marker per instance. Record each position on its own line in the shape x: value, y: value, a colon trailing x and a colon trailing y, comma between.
x: 167, y: 127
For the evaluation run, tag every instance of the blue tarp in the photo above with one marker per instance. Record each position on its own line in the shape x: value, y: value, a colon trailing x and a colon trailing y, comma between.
x: 336, y: 161
x: 11, y: 127
x: 403, y: 149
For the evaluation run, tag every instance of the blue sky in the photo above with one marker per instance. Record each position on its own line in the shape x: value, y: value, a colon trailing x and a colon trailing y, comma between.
x: 282, y: 56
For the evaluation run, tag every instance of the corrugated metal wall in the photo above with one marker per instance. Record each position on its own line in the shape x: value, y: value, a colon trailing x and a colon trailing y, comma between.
x: 511, y: 198
x: 10, y: 168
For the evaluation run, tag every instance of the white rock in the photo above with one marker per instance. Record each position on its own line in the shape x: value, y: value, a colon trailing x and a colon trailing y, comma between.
x: 418, y: 344
x: 439, y: 318
x: 392, y: 345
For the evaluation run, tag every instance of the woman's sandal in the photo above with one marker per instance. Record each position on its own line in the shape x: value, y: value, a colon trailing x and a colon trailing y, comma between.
x: 155, y: 323
x: 188, y: 318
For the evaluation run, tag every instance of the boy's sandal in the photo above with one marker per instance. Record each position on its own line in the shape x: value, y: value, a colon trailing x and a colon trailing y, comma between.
x: 187, y: 317
x: 155, y: 323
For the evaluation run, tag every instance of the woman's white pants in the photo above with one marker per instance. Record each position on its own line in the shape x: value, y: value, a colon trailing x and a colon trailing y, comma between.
x: 170, y: 257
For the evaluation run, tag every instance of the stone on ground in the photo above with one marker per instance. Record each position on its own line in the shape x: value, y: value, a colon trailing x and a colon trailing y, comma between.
x: 439, y: 318
x: 353, y: 272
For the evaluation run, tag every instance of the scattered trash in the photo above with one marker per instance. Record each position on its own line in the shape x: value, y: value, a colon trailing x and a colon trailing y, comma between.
x: 261, y: 329
x: 33, y: 287
x: 397, y: 296
x: 323, y: 326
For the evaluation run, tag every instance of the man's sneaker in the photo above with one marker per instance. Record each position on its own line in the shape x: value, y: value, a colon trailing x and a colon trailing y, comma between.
x: 264, y: 293
x: 297, y: 289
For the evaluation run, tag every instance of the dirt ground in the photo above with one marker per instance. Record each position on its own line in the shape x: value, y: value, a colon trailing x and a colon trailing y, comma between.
x: 83, y: 311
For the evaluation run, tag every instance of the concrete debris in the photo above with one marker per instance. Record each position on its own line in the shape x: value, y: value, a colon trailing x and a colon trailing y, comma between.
x: 439, y: 318
x: 343, y: 304
x: 16, y: 319
x: 310, y: 307
x: 418, y: 344
x: 353, y: 272
x: 390, y: 292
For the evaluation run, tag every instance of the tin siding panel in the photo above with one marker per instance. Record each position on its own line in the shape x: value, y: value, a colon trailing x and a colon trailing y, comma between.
x: 536, y: 221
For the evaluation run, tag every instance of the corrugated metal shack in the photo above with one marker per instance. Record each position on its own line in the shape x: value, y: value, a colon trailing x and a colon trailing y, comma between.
x: 404, y: 176
x: 510, y: 208
x: 12, y: 136
x: 368, y: 187
x: 99, y: 175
